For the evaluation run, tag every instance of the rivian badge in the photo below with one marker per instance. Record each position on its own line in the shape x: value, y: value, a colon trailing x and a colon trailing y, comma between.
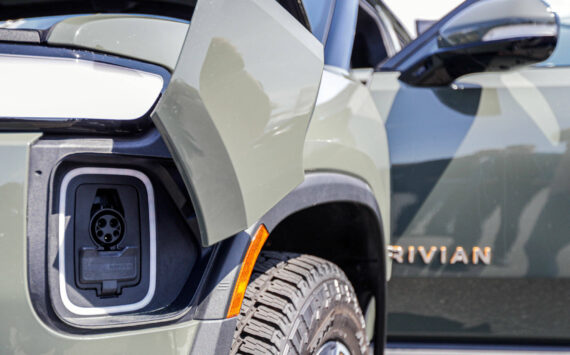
x: 411, y: 254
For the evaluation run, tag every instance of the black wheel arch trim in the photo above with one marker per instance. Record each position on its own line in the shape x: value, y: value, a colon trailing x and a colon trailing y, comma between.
x: 320, y: 188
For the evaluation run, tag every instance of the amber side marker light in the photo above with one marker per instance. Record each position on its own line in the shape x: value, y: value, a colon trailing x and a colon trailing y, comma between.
x: 246, y: 268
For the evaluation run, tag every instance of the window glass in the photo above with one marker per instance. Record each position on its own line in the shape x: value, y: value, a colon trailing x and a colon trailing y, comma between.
x: 333, y: 22
x: 372, y: 42
x: 397, y: 32
x: 390, y: 30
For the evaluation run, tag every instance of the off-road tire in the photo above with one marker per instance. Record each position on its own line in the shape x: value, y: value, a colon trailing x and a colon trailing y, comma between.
x: 296, y: 303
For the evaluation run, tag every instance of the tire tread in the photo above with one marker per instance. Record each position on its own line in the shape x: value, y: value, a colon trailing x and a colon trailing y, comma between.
x: 272, y: 319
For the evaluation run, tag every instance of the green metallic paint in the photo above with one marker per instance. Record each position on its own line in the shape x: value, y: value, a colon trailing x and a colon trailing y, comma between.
x: 508, y: 162
x: 151, y: 39
x: 347, y: 135
x: 21, y: 330
x: 235, y: 117
x: 484, y: 162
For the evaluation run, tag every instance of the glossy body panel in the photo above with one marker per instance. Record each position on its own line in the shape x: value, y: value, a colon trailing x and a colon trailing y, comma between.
x: 235, y: 117
x: 150, y: 39
x: 21, y: 331
x: 482, y: 163
x: 478, y: 310
x: 496, y: 152
x: 347, y: 135
x: 237, y: 122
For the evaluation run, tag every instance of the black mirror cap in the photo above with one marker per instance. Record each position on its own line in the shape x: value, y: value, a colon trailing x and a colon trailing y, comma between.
x: 445, y: 65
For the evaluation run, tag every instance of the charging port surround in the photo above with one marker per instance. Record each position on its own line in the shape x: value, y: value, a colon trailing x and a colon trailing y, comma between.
x: 108, y: 255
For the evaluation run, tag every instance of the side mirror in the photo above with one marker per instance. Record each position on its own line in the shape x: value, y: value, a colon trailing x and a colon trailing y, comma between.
x: 489, y: 35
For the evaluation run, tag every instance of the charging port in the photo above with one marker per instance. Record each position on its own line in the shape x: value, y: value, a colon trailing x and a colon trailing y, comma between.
x: 108, y: 255
x: 107, y: 226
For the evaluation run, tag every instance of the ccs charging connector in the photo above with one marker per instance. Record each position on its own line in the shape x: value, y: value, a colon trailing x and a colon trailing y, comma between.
x: 108, y: 255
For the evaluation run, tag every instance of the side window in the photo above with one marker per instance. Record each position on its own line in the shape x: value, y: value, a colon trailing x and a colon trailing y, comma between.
x: 400, y: 37
x: 372, y: 44
x: 355, y: 33
x: 396, y: 31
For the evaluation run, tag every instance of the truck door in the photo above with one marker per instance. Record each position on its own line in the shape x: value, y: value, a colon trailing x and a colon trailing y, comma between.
x: 236, y: 111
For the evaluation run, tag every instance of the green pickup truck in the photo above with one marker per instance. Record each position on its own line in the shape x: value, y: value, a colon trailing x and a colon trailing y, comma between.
x: 215, y: 176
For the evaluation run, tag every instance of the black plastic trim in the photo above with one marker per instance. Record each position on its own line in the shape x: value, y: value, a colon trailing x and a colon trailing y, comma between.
x: 317, y: 188
x: 219, y: 286
x: 320, y: 188
x: 215, y: 267
x: 214, y: 337
x: 218, y: 266
x: 169, y: 8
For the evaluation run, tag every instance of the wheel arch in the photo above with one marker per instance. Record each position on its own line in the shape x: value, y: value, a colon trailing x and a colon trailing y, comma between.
x: 335, y: 216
